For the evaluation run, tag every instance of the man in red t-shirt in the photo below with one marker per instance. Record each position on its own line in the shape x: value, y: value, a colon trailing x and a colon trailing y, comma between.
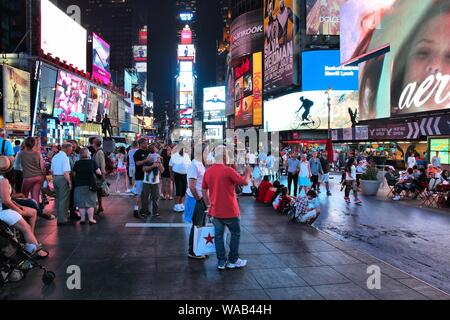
x: 219, y: 191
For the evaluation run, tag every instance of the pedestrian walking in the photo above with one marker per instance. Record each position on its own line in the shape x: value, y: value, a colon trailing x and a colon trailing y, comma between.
x: 350, y: 181
x: 167, y: 185
x: 316, y: 171
x: 121, y: 168
x: 293, y: 169
x: 100, y: 160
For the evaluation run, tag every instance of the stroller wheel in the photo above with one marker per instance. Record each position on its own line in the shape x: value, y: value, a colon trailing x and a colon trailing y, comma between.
x: 48, y: 277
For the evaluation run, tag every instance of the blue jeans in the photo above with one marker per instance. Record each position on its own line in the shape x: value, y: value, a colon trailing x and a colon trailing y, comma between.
x: 234, y: 225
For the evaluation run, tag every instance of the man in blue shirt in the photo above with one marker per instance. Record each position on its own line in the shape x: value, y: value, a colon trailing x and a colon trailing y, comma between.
x: 7, y: 149
x: 16, y: 147
x: 293, y: 165
x: 316, y: 170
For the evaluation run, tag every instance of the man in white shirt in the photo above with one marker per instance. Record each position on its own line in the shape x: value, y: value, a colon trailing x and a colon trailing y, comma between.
x: 61, y: 180
x: 132, y: 165
x: 152, y: 180
x: 195, y: 206
x: 178, y: 165
x: 251, y: 159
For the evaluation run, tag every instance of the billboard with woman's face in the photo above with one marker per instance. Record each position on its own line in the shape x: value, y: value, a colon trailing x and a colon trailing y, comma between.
x: 70, y: 98
x: 323, y: 17
x: 414, y: 77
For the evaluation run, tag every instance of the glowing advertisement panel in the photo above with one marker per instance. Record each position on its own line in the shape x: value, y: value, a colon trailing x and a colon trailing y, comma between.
x: 99, y: 103
x: 16, y: 99
x: 280, y: 44
x: 70, y: 98
x: 321, y: 70
x: 323, y: 17
x: 443, y: 147
x: 62, y: 37
x: 101, y: 60
x: 309, y: 111
x: 47, y: 89
x: 140, y: 53
x: 214, y: 132
x: 186, y: 52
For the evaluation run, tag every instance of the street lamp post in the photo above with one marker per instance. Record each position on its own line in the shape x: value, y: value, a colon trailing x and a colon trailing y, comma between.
x: 328, y: 93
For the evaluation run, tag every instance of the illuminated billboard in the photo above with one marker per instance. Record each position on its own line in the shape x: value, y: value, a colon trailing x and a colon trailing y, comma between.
x: 214, y: 132
x: 186, y: 36
x: 248, y: 91
x: 323, y: 17
x: 443, y: 147
x: 186, y: 100
x: 70, y: 98
x: 99, y: 103
x: 321, y: 70
x: 101, y: 60
x: 186, y: 16
x: 140, y: 53
x: 309, y: 111
x: 141, y: 67
x: 47, y: 89
x: 186, y: 82
x: 414, y: 76
x: 280, y: 44
x: 186, y: 52
x: 62, y: 37
x: 247, y: 34
x: 16, y: 99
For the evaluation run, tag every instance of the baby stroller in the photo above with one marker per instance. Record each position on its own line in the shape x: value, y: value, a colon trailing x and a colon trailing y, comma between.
x: 15, y: 259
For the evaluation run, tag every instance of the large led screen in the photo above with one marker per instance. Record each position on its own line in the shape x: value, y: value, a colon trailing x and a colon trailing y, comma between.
x: 415, y: 76
x: 321, y: 70
x: 323, y: 17
x: 100, y: 60
x: 280, y: 19
x: 247, y: 32
x: 214, y: 98
x: 309, y: 111
x: 62, y: 37
x: 47, y: 90
x: 443, y: 147
x: 140, y: 53
x: 70, y: 98
x: 16, y: 99
x: 99, y: 103
x: 186, y: 52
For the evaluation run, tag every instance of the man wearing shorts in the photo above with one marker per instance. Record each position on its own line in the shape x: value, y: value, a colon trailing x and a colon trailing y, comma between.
x: 140, y: 159
x: 325, y: 177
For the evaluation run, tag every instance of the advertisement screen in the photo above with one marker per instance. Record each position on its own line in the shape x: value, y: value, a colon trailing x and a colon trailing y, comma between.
x: 279, y: 24
x: 140, y: 53
x: 323, y: 17
x: 128, y: 85
x: 214, y: 132
x: 321, y: 70
x: 47, y: 90
x: 186, y: 100
x: 414, y: 76
x: 99, y: 103
x: 186, y: 66
x: 70, y: 98
x: 186, y: 118
x: 214, y: 98
x: 186, y: 82
x: 247, y: 32
x: 443, y: 147
x: 16, y: 99
x: 248, y: 91
x: 186, y: 36
x: 141, y: 67
x: 186, y: 52
x: 309, y: 111
x: 100, y: 60
x: 62, y: 37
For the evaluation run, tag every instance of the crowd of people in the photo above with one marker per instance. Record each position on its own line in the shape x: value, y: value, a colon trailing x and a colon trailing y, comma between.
x: 203, y: 188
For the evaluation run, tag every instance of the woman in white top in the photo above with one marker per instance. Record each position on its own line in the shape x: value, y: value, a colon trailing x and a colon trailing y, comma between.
x: 121, y: 168
x: 411, y: 161
x: 304, y: 174
x: 179, y: 165
x: 350, y: 181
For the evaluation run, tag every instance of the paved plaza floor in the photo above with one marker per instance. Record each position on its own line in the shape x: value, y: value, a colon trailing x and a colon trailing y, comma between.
x: 287, y: 261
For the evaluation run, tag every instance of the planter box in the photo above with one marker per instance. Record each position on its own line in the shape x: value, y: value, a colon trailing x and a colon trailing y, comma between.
x: 370, y: 187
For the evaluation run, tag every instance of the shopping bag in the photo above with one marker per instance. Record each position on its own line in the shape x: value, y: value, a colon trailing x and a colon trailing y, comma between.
x: 204, y: 241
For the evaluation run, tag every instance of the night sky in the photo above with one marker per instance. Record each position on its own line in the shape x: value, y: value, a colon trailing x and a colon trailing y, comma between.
x: 162, y: 50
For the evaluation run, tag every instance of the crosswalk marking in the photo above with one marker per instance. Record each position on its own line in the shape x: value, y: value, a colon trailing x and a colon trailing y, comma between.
x: 158, y: 225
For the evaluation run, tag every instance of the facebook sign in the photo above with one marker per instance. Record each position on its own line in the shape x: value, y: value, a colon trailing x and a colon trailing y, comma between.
x: 321, y: 70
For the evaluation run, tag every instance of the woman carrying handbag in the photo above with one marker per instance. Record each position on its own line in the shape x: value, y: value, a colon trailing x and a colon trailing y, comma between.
x: 85, y: 195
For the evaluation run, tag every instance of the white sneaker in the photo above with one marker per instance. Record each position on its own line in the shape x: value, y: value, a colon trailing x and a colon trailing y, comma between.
x: 237, y: 265
x: 176, y: 208
x: 182, y: 207
x: 396, y: 198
